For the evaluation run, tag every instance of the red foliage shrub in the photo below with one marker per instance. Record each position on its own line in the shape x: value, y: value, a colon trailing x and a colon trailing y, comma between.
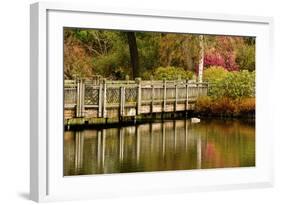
x: 226, y: 60
x: 213, y: 59
x: 225, y: 106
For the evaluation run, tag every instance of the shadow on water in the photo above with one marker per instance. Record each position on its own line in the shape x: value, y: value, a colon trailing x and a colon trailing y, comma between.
x: 160, y: 146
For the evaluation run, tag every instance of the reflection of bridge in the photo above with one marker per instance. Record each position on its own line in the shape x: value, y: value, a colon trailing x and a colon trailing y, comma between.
x: 139, y: 145
x: 110, y: 101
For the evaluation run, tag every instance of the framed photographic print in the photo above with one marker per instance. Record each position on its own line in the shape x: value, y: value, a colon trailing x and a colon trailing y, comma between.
x: 126, y: 102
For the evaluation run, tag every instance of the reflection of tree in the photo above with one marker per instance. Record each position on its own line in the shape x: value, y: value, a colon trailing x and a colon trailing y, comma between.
x: 234, y: 148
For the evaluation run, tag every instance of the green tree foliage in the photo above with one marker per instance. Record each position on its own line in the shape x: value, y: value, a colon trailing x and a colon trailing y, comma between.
x: 180, y: 50
x: 149, y: 50
x: 246, y: 57
x: 90, y: 52
x: 171, y: 73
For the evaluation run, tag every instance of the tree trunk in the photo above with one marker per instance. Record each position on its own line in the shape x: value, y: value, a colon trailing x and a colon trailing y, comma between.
x: 201, y: 59
x: 133, y: 53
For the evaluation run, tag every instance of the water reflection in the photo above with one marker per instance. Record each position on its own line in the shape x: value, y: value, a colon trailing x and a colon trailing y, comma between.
x: 172, y: 145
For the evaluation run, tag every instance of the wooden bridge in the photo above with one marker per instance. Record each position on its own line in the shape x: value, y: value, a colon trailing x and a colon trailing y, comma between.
x: 100, y: 101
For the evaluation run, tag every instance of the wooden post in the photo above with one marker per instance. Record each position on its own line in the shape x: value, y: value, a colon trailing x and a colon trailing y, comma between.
x: 104, y: 99
x: 83, y: 99
x: 186, y: 102
x: 80, y: 98
x: 152, y: 97
x: 176, y: 97
x: 138, y: 81
x: 100, y: 101
x: 122, y: 101
x: 164, y: 95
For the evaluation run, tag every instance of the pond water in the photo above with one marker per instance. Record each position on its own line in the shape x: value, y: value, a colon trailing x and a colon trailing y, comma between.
x: 163, y: 146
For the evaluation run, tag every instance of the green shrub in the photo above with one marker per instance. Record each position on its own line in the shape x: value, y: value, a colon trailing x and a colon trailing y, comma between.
x: 239, y: 84
x: 214, y: 74
x: 236, y: 84
x: 171, y: 73
x: 146, y: 75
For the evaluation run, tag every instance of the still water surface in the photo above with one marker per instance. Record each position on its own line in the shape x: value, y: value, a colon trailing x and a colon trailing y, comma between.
x: 170, y: 145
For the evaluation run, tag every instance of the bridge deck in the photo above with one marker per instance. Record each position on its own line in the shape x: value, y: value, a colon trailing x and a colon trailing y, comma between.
x: 117, y: 99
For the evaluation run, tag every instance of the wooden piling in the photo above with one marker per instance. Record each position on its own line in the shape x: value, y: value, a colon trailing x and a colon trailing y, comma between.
x: 176, y: 97
x: 186, y: 101
x: 104, y: 99
x: 138, y: 108
x: 80, y: 98
x: 164, y: 95
x: 122, y: 101
x: 100, y: 101
x: 152, y: 98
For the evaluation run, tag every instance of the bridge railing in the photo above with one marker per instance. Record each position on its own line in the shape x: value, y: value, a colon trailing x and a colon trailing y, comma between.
x: 81, y: 94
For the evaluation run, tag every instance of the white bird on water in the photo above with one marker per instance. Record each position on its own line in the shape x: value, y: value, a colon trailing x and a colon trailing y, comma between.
x: 195, y: 120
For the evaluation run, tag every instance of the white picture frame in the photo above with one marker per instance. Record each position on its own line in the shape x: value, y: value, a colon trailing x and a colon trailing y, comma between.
x: 46, y: 97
